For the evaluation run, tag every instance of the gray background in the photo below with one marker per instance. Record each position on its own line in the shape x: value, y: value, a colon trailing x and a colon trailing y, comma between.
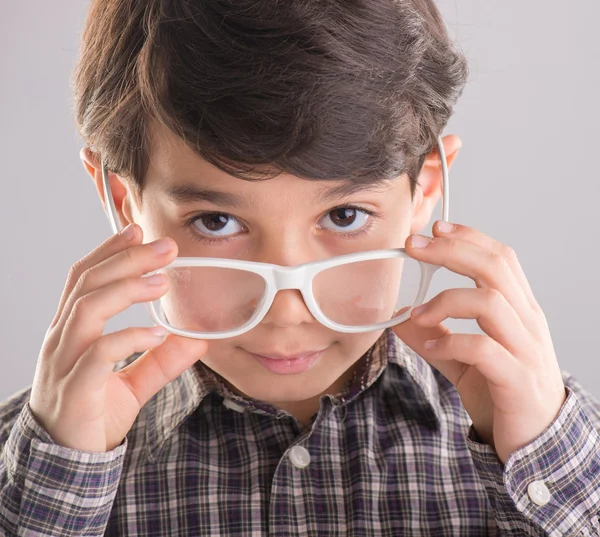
x: 527, y: 173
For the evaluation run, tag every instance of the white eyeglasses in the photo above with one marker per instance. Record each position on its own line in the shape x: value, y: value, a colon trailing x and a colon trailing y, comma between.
x: 216, y: 298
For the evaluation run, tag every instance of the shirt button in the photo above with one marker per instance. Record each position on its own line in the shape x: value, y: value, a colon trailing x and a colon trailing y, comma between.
x: 299, y: 457
x: 233, y: 405
x: 538, y: 492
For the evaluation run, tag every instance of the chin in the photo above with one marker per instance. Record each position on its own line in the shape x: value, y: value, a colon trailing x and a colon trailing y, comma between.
x: 289, y: 392
x: 273, y: 388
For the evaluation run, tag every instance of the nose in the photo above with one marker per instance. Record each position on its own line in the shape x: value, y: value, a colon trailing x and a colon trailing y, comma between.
x: 288, y: 307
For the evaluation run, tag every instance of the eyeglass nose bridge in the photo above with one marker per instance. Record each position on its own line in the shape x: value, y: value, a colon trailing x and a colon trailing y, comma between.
x: 290, y: 278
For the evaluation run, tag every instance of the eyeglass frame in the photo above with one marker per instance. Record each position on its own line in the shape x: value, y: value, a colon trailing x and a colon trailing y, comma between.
x: 300, y: 277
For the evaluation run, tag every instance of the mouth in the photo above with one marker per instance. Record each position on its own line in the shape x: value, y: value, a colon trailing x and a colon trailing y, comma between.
x: 290, y: 356
x: 288, y: 364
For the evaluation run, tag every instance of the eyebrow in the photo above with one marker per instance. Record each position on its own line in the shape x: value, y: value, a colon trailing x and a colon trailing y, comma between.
x: 190, y: 193
x: 348, y: 188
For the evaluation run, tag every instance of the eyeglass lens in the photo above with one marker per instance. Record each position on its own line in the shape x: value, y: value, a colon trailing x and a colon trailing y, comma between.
x: 216, y: 299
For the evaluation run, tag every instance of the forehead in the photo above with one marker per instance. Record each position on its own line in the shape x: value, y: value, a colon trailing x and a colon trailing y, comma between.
x: 185, y: 177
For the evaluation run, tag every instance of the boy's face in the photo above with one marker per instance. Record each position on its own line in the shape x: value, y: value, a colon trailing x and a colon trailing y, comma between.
x: 287, y: 221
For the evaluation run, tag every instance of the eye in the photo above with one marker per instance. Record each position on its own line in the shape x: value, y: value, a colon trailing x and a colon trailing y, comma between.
x: 345, y: 219
x: 217, y: 224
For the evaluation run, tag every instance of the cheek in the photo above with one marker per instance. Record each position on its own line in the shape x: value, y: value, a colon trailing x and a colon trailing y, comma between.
x: 390, y: 233
x: 151, y: 226
x: 157, y: 222
x: 398, y: 231
x: 353, y: 346
x: 211, y: 299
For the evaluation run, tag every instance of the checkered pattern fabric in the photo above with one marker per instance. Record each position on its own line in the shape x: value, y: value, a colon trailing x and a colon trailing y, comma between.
x: 394, y: 454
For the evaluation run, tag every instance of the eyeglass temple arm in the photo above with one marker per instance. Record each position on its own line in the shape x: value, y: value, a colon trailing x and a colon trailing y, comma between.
x: 112, y: 214
x: 445, y: 181
x: 111, y: 210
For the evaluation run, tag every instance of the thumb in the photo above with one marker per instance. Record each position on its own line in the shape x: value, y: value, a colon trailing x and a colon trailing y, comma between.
x: 154, y: 369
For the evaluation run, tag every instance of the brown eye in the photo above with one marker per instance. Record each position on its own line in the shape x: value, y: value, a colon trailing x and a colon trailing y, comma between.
x: 217, y: 224
x: 345, y: 219
x: 344, y: 216
x: 214, y: 222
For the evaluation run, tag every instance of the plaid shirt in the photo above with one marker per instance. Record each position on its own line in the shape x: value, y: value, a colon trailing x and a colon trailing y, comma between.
x: 394, y: 454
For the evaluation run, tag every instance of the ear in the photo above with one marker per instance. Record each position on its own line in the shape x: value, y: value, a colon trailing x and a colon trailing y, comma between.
x: 429, y: 187
x: 120, y: 190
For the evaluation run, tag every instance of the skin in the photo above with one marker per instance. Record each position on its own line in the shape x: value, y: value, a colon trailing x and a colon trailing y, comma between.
x: 508, y: 379
x: 283, y: 223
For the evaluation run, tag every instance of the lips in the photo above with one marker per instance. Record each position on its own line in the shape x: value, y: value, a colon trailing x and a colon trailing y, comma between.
x: 284, y: 365
x: 290, y: 356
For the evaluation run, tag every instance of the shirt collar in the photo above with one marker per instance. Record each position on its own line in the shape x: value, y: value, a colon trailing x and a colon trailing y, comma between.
x: 408, y: 373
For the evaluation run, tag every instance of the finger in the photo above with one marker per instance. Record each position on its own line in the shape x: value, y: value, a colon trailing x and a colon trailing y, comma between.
x: 91, y: 312
x: 484, y: 267
x: 130, y: 235
x: 157, y: 367
x: 486, y: 242
x: 488, y: 307
x: 415, y: 336
x: 492, y: 360
x: 128, y: 263
x: 98, y: 361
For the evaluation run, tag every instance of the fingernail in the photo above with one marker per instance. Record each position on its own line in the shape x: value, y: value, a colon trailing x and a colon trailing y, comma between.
x: 158, y: 331
x: 128, y: 232
x: 445, y: 227
x: 161, y: 246
x: 430, y: 344
x: 155, y: 279
x: 419, y: 309
x: 420, y: 241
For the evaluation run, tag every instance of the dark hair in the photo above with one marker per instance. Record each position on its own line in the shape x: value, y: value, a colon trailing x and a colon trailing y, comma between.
x: 341, y: 89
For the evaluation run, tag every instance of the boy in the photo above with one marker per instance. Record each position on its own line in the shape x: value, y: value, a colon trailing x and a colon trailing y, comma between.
x: 286, y: 133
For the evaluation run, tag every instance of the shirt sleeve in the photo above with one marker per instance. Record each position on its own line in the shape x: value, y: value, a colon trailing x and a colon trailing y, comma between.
x: 551, y: 486
x: 47, y: 489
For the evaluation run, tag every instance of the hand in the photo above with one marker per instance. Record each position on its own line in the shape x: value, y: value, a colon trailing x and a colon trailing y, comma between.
x: 75, y: 395
x: 509, y: 380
